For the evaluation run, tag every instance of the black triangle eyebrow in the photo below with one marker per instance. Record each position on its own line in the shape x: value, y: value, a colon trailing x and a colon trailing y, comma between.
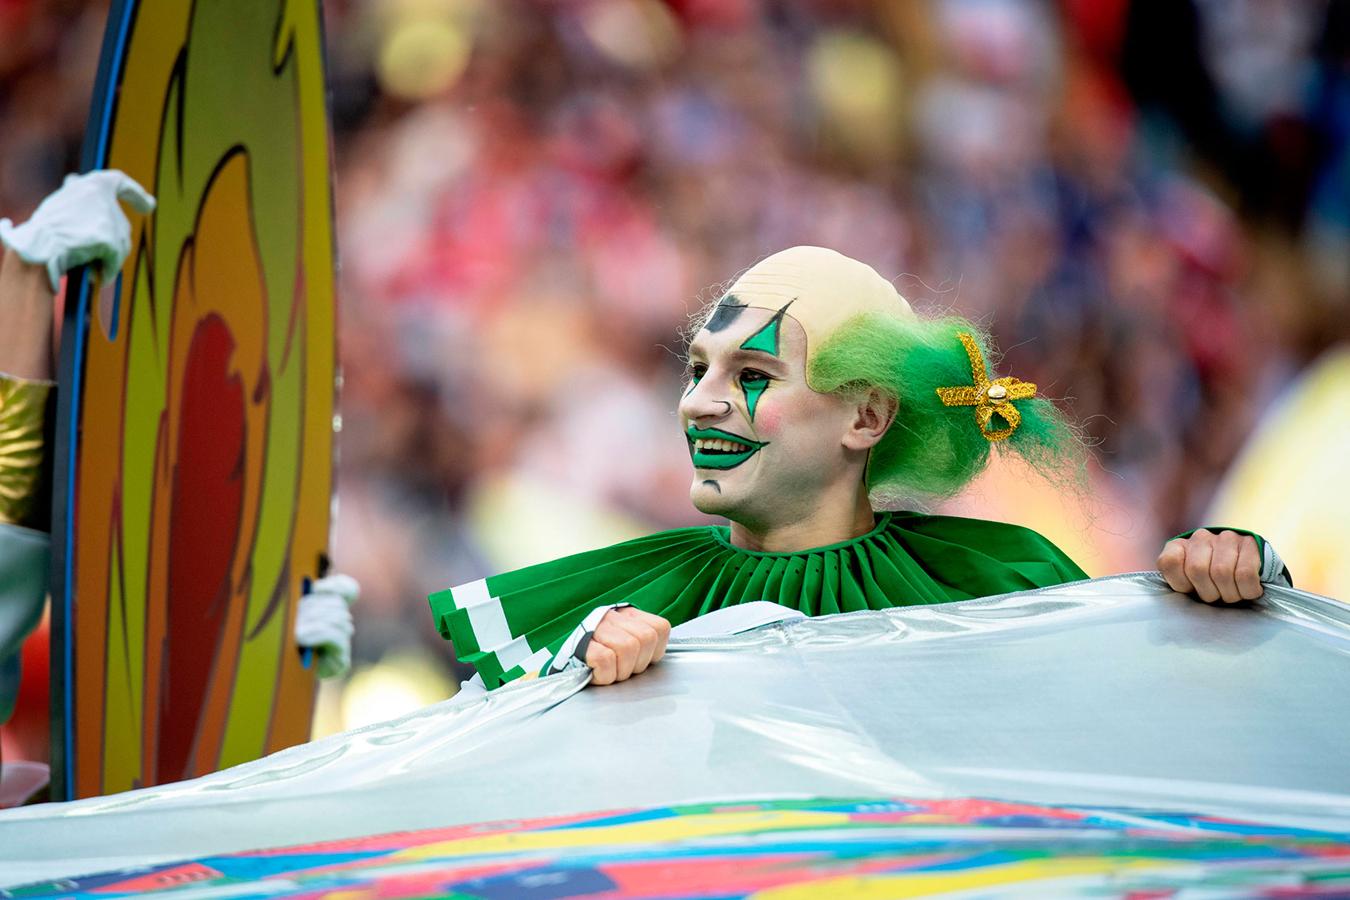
x: 728, y: 310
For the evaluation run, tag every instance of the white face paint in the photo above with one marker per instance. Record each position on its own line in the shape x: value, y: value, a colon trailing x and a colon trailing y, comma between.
x: 765, y: 446
x: 768, y: 451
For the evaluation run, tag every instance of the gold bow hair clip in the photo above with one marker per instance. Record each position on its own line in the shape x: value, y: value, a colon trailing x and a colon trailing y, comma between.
x: 988, y: 397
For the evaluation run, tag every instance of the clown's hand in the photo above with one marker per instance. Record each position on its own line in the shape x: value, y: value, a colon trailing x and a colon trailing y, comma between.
x: 1225, y: 567
x: 626, y: 642
x: 81, y: 222
x: 324, y: 623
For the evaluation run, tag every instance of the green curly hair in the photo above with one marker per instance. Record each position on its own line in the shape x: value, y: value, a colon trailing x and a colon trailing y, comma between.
x: 932, y: 450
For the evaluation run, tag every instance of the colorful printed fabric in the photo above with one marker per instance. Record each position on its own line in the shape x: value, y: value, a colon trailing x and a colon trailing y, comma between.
x: 785, y: 849
x: 513, y: 624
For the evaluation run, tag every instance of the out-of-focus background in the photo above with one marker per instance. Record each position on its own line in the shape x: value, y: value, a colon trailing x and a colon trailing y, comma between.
x: 1148, y: 201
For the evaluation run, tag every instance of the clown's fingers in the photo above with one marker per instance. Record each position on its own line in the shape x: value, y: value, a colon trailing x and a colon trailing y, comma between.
x: 130, y: 192
x: 1249, y: 569
x: 603, y: 663
x: 1199, y: 554
x: 627, y: 647
x: 647, y: 639
x: 345, y: 586
x: 1223, y: 564
x: 1172, y: 566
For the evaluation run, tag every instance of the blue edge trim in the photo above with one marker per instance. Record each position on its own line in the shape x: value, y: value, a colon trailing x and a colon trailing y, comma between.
x: 105, y: 100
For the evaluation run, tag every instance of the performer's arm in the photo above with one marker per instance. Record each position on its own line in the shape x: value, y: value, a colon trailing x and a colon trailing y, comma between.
x: 25, y: 318
x: 25, y: 394
x: 81, y: 222
x: 25, y: 389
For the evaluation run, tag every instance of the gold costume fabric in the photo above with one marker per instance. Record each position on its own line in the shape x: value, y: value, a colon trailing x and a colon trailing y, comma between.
x: 24, y: 412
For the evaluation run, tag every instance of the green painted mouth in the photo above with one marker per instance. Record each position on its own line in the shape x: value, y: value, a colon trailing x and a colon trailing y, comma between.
x: 714, y: 459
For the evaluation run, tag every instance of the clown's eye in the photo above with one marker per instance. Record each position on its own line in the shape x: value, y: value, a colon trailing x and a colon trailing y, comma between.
x: 753, y: 378
x: 697, y: 371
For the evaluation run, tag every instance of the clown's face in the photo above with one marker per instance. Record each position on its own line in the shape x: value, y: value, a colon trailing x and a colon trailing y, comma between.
x: 766, y: 448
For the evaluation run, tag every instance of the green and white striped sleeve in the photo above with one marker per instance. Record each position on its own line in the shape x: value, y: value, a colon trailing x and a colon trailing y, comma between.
x: 475, y: 621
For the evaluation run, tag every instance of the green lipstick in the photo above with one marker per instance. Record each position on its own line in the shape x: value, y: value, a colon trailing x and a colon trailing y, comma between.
x: 720, y: 459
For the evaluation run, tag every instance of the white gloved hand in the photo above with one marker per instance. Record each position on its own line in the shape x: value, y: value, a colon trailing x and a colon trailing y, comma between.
x: 80, y: 222
x: 324, y: 622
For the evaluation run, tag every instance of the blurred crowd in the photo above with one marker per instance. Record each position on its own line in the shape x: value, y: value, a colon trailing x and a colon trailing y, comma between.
x: 1147, y: 201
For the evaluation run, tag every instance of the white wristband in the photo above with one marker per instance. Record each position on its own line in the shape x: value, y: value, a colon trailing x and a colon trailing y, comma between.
x: 1273, y: 569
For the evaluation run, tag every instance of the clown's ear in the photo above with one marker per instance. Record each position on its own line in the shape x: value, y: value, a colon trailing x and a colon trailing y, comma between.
x: 875, y: 410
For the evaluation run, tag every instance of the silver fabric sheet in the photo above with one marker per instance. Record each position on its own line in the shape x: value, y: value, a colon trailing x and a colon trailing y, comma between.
x: 1112, y: 692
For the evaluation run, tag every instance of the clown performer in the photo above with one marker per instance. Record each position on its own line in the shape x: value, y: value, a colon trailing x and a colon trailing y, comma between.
x: 815, y: 397
x: 80, y: 223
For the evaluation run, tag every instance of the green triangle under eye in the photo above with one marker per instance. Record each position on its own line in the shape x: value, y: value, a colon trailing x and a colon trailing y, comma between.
x: 766, y: 339
x: 752, y: 395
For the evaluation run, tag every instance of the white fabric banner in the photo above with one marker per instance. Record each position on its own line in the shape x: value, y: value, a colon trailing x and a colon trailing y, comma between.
x: 1114, y: 692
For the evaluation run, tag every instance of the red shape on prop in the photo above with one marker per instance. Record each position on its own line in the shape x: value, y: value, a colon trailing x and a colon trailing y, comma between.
x: 208, y: 493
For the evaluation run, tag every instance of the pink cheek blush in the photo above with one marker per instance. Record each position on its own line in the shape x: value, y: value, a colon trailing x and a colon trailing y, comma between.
x: 768, y: 418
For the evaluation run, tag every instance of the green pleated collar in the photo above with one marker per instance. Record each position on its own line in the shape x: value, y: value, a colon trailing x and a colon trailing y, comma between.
x: 907, y: 558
